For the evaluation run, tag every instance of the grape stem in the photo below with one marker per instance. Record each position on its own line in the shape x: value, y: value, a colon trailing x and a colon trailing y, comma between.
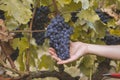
x: 29, y: 38
x: 56, y: 7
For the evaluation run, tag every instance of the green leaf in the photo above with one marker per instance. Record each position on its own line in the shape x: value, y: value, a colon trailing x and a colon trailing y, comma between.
x: 16, y: 9
x: 46, y: 62
x: 63, y: 2
x: 46, y: 2
x: 22, y: 44
x: 88, y: 15
x: 20, y: 61
x: 67, y: 9
x: 67, y: 17
x: 85, y: 3
x: 76, y: 1
x: 27, y: 3
x: 100, y: 28
x: 87, y: 64
x: 91, y: 25
x: 11, y: 23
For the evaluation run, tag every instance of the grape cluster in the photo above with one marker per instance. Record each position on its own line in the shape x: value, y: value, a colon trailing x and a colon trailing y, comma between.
x: 104, y: 17
x: 40, y: 19
x: 74, y: 17
x: 2, y: 15
x: 59, y: 34
x: 111, y: 39
x: 15, y: 54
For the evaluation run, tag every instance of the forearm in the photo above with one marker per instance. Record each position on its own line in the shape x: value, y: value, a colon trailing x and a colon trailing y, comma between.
x: 111, y: 51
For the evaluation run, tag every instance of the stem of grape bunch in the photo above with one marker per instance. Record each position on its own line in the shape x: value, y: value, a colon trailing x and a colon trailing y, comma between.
x: 56, y: 7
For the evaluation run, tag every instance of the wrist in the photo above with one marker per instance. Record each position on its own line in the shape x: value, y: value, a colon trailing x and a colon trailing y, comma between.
x: 89, y: 48
x: 84, y: 47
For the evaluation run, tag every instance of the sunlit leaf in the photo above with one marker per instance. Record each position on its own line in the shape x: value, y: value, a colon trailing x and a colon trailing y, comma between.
x: 20, y: 61
x: 63, y: 2
x: 46, y: 62
x: 16, y: 9
x: 85, y: 3
x: 115, y: 32
x: 22, y: 44
x: 88, y: 15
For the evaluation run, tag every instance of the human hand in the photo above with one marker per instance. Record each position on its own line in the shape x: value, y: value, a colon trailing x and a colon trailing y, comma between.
x: 77, y: 49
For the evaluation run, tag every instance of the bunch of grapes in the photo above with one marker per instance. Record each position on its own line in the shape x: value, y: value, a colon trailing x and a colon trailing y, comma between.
x: 2, y: 15
x: 104, y: 17
x: 15, y: 54
x: 74, y: 17
x: 111, y: 39
x: 40, y: 19
x: 59, y: 34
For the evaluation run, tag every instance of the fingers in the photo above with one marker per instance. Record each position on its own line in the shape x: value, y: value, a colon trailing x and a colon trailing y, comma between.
x: 53, y: 54
x: 52, y: 51
x: 56, y: 58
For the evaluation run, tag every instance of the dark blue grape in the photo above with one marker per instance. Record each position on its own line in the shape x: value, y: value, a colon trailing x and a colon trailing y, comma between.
x: 40, y: 19
x: 111, y: 39
x: 104, y: 17
x: 59, y: 33
x: 2, y: 16
x: 15, y: 54
x: 74, y: 17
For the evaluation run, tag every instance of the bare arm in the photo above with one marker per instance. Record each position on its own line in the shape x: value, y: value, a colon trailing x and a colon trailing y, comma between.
x: 111, y: 51
x: 78, y: 49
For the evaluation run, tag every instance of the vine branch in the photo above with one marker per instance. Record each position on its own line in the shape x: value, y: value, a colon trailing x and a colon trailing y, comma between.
x: 56, y: 7
x: 7, y: 55
x: 44, y: 74
x: 27, y: 31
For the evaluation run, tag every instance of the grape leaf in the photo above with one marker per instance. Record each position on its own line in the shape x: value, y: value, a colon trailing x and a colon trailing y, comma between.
x: 67, y: 9
x: 16, y: 9
x: 22, y: 44
x: 76, y: 1
x: 100, y: 28
x: 27, y: 3
x: 115, y: 32
x: 63, y: 2
x: 20, y: 62
x: 88, y: 15
x: 11, y: 23
x: 46, y: 62
x: 67, y: 17
x: 85, y: 3
x: 87, y: 64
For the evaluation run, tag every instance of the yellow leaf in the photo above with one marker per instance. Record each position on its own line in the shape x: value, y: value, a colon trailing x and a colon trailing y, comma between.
x: 67, y: 17
x: 63, y: 2
x: 16, y: 9
x: 115, y: 32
